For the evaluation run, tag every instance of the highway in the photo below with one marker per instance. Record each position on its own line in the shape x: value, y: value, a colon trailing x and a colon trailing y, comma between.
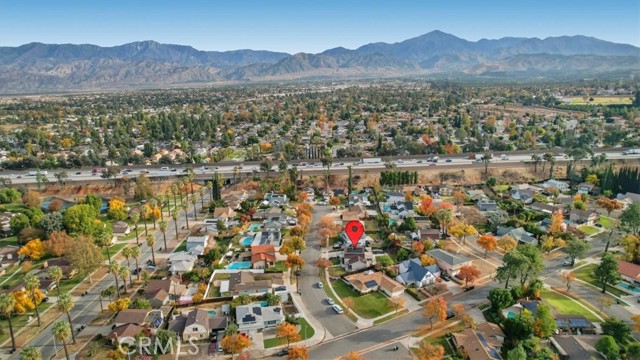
x: 312, y: 167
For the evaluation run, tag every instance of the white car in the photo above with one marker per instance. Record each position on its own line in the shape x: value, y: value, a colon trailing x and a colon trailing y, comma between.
x: 164, y: 168
x: 337, y: 309
x: 320, y: 285
x: 330, y: 301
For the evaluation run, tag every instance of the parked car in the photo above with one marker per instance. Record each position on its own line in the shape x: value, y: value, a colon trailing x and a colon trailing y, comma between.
x: 320, y: 285
x: 337, y: 308
x: 283, y: 352
x: 330, y: 301
x: 337, y: 246
x: 448, y: 160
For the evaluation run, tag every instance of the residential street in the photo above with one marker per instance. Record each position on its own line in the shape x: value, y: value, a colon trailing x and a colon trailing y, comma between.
x: 312, y: 296
x: 88, y: 307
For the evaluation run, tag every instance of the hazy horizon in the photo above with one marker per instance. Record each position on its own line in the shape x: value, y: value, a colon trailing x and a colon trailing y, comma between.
x: 293, y: 27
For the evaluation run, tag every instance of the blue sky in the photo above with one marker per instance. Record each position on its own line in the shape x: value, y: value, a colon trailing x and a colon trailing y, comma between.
x: 308, y: 25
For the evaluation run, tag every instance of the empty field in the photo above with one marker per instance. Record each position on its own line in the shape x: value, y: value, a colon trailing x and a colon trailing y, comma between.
x: 599, y: 100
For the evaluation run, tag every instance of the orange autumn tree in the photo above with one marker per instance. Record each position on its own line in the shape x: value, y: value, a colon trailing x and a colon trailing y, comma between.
x: 557, y: 223
x: 303, y: 196
x: 426, y: 205
x: 429, y: 351
x: 234, y: 344
x: 298, y: 353
x: 289, y: 332
x: 609, y: 205
x: 436, y: 309
x: 426, y: 260
x: 59, y: 243
x: 488, y: 242
x: 34, y: 249
x: 468, y: 273
x: 23, y: 300
x: 327, y: 229
x: 417, y: 247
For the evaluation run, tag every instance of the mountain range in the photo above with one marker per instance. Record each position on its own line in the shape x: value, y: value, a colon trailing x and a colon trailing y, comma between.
x: 39, y: 68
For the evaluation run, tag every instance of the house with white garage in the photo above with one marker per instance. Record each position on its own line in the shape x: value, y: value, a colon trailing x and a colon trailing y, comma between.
x: 412, y: 273
x: 254, y: 317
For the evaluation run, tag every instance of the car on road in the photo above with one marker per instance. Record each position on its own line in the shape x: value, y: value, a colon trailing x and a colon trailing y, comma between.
x: 337, y: 246
x: 448, y: 160
x: 337, y: 308
x: 320, y: 285
x: 419, y: 161
x: 283, y: 352
x: 79, y: 173
x: 504, y: 157
x: 330, y: 301
x: 566, y: 264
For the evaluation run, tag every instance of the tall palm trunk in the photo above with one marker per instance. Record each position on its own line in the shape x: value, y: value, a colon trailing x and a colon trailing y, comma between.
x: 13, y: 338
x: 73, y: 337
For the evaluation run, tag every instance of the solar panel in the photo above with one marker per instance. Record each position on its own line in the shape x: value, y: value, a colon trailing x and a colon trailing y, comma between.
x: 248, y: 318
x: 371, y: 283
x: 578, y: 323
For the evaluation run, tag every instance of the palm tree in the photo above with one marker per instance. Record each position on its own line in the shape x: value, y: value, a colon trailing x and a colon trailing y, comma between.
x: 190, y: 177
x: 194, y: 201
x: 174, y: 192
x: 546, y: 157
x: 151, y: 242
x: 61, y: 331
x: 55, y: 274
x: 126, y: 252
x: 486, y: 158
x: 265, y: 166
x: 31, y: 284
x: 103, y: 242
x: 167, y: 198
x: 174, y: 216
x: 163, y: 227
x: 185, y: 208
x: 135, y: 219
x: 236, y: 172
x: 7, y: 306
x: 65, y: 304
x: 144, y: 215
x: 114, y: 268
x: 135, y: 254
x: 124, y: 274
x: 552, y: 163
x: 201, y: 193
x: 536, y: 160
x: 30, y: 353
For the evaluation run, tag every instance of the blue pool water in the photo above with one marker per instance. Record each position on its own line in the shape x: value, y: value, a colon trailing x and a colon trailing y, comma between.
x: 631, y: 288
x: 392, y: 222
x: 254, y: 227
x: 511, y: 315
x: 239, y: 265
x: 262, y: 303
x: 386, y: 208
x: 212, y: 313
x: 246, y: 241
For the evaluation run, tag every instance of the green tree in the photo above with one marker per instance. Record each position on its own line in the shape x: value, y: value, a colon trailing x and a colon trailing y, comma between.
x: 608, y: 272
x: 630, y: 219
x: 51, y: 222
x: 163, y: 227
x: 618, y: 329
x: 94, y: 201
x: 114, y: 268
x: 517, y: 353
x: 500, y: 299
x: 61, y: 331
x: 576, y: 249
x: 85, y: 256
x: 80, y: 219
x: 7, y: 307
x: 55, y: 273
x: 151, y: 242
x: 135, y: 254
x: 166, y: 337
x: 19, y: 222
x: 519, y: 328
x: 607, y: 345
x: 143, y: 189
x: 30, y: 353
x: 135, y: 218
x: 545, y: 323
x: 32, y: 285
x: 65, y: 304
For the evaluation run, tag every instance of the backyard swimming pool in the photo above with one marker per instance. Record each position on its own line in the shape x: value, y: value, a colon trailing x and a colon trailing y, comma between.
x: 212, y: 313
x: 239, y: 265
x: 246, y: 241
x: 254, y: 227
x: 633, y: 289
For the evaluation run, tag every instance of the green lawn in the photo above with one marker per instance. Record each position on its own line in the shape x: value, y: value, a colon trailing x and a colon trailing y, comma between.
x: 440, y: 340
x: 13, y: 207
x: 12, y: 240
x: 501, y: 188
x: 68, y: 284
x: 368, y: 306
x: 565, y: 305
x: 19, y: 321
x: 278, y: 266
x: 589, y: 230
x: 336, y: 271
x: 607, y: 222
x: 306, y: 332
x: 386, y: 259
x: 182, y: 247
x: 389, y: 317
x: 586, y: 274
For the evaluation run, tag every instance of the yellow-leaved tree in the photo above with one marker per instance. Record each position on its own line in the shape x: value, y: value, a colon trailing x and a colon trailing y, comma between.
x: 34, y: 249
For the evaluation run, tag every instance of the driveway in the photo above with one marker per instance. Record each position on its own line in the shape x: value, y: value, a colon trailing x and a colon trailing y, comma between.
x: 313, y: 296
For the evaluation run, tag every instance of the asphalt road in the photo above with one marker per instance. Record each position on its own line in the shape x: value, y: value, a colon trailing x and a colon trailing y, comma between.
x: 313, y: 296
x: 88, y: 307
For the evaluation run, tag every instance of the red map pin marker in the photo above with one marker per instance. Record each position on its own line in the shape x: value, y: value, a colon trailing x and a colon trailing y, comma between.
x: 354, y: 230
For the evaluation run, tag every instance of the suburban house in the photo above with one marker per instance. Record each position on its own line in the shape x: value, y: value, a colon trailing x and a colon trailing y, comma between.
x: 126, y: 332
x: 587, y: 217
x: 224, y: 214
x: 277, y: 222
x: 354, y: 259
x: 268, y: 237
x: 181, y: 262
x: 197, y: 244
x: 68, y: 271
x: 263, y: 256
x: 411, y: 272
x: 628, y: 198
x: 486, y: 204
x: 362, y: 242
x: 447, y: 262
x: 120, y: 228
x: 560, y: 185
x: 574, y: 324
x: 5, y: 226
x: 245, y: 282
x: 576, y: 347
x: 545, y: 208
x: 629, y: 272
x: 253, y: 317
x: 476, y: 195
x: 524, y: 195
x: 160, y: 292
x: 369, y: 281
x: 142, y: 317
x: 519, y: 234
x: 483, y: 343
x: 197, y: 325
x: 427, y: 233
x: 585, y: 188
x: 359, y: 199
x: 275, y: 200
